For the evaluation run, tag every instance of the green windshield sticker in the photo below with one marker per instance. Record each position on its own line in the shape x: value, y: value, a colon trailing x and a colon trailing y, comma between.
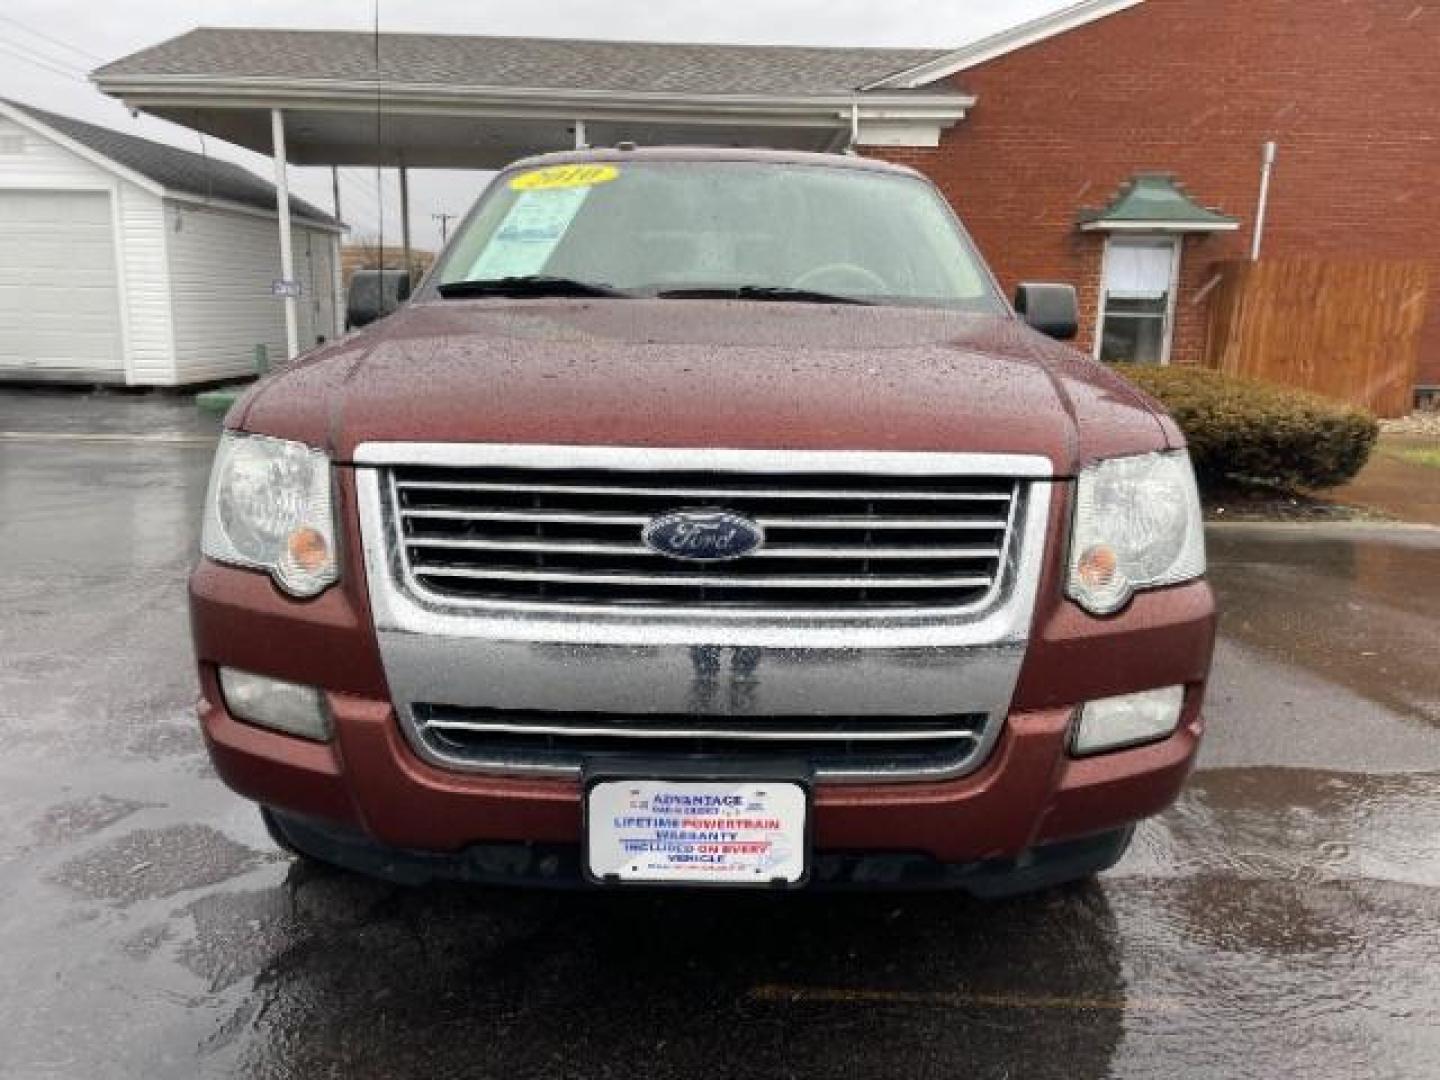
x: 530, y: 233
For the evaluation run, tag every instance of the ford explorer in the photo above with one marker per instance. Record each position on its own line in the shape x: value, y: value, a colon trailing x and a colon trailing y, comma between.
x: 706, y: 518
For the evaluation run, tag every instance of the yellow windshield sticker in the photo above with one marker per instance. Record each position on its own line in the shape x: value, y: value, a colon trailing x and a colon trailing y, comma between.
x: 564, y: 176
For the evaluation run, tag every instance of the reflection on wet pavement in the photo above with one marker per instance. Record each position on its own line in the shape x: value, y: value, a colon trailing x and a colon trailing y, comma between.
x: 1299, y: 825
x: 1361, y: 614
x: 1279, y: 921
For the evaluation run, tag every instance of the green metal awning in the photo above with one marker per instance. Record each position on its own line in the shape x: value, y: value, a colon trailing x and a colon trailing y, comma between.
x: 1155, y: 202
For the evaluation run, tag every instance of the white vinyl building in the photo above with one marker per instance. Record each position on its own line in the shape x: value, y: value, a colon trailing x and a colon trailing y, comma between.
x: 130, y: 262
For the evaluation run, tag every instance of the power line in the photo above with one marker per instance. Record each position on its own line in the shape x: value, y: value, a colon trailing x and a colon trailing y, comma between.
x: 357, y: 187
x: 362, y: 194
x: 353, y: 192
x: 41, y: 61
x: 52, y: 40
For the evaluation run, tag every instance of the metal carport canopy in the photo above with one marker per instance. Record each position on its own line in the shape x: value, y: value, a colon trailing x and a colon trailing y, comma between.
x: 315, y: 97
x: 480, y: 102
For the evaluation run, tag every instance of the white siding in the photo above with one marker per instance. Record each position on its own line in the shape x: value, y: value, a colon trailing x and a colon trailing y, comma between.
x: 222, y: 264
x: 28, y: 160
x: 32, y: 161
x: 145, y: 281
x: 59, y: 305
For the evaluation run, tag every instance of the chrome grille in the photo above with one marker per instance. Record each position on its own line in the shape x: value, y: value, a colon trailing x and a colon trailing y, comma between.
x: 836, y: 748
x: 834, y: 540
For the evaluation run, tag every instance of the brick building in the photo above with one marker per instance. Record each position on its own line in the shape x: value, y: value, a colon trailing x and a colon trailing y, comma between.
x: 1066, y: 114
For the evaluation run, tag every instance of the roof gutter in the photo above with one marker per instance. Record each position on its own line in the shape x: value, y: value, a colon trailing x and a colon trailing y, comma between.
x: 1059, y: 22
x: 1103, y: 225
x: 201, y: 90
x: 208, y: 202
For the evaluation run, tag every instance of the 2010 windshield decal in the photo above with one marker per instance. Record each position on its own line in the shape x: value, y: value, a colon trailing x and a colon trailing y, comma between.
x: 557, y: 177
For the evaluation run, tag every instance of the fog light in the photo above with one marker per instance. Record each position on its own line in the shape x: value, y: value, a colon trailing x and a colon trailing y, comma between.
x: 1117, y: 722
x: 273, y: 703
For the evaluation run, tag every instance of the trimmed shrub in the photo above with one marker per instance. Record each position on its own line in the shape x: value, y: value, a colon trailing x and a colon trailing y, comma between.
x: 1246, y: 432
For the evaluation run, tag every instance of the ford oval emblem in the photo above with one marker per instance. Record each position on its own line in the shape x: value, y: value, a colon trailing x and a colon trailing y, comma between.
x: 703, y: 535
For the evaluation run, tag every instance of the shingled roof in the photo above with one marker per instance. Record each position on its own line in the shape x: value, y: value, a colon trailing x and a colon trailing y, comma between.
x: 176, y: 170
x: 528, y: 63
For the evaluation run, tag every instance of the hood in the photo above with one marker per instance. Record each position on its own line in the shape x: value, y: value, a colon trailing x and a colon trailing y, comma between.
x: 704, y: 373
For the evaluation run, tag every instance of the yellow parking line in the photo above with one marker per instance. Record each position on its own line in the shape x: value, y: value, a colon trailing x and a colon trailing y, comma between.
x: 844, y: 996
x: 136, y: 438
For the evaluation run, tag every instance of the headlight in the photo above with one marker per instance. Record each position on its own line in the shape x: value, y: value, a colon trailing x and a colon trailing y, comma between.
x: 1137, y: 525
x: 269, y: 508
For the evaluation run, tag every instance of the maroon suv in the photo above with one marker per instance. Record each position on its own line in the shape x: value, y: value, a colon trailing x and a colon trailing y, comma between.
x: 706, y: 518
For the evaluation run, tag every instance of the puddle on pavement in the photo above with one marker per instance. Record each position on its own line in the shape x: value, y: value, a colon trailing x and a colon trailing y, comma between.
x: 70, y: 821
x: 163, y: 739
x: 151, y: 863
x: 546, y: 984
x: 1280, y: 978
x: 1353, y: 609
x: 1277, y: 922
x: 1299, y: 825
x: 1207, y: 975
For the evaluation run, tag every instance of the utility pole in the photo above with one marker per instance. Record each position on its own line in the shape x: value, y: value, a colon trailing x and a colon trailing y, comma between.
x: 444, y: 220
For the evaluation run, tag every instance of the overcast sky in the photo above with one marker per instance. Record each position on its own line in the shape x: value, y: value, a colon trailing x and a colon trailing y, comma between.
x: 48, y: 47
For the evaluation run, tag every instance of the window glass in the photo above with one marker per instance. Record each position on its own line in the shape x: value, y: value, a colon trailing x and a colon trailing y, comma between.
x: 1138, y: 285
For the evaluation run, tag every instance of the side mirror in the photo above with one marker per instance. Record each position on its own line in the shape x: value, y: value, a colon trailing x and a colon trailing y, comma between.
x: 1051, y: 309
x: 373, y: 294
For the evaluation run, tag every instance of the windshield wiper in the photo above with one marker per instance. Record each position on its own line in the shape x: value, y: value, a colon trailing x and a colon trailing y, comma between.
x: 528, y: 285
x: 760, y: 292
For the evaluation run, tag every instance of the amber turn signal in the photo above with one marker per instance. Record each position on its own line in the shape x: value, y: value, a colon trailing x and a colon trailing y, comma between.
x: 1096, y: 568
x: 307, y: 549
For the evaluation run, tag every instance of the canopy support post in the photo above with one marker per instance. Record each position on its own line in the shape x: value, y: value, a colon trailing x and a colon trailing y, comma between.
x: 287, y: 253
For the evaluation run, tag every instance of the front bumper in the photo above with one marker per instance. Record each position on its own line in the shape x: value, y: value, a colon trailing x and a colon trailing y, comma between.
x: 1028, y: 792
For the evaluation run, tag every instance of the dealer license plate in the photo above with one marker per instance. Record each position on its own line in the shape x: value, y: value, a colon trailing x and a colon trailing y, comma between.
x: 691, y: 832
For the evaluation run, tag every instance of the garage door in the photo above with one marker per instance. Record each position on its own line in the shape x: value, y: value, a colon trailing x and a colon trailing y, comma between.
x: 59, y: 309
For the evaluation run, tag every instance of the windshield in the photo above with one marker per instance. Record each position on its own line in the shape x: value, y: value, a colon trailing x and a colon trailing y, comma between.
x: 656, y: 228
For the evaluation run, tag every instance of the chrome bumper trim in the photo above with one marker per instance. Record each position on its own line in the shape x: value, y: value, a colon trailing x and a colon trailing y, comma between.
x: 645, y: 458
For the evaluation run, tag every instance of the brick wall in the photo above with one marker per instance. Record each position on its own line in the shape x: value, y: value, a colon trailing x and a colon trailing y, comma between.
x: 1350, y: 89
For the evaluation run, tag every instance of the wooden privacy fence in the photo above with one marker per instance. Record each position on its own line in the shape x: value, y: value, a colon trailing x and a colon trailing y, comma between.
x: 1347, y: 330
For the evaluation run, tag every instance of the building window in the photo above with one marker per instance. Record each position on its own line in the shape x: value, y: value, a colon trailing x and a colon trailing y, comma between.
x: 1137, y: 300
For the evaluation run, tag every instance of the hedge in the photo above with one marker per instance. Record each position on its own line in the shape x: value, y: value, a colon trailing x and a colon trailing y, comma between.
x: 1246, y: 432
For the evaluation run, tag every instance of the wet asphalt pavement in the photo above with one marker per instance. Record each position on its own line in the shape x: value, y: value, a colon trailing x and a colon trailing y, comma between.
x: 1282, y: 920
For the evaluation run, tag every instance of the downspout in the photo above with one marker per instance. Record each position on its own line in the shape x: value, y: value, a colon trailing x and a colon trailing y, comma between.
x: 1266, y: 170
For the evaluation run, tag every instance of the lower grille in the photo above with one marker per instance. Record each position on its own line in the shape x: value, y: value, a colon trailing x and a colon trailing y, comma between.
x: 835, y: 748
